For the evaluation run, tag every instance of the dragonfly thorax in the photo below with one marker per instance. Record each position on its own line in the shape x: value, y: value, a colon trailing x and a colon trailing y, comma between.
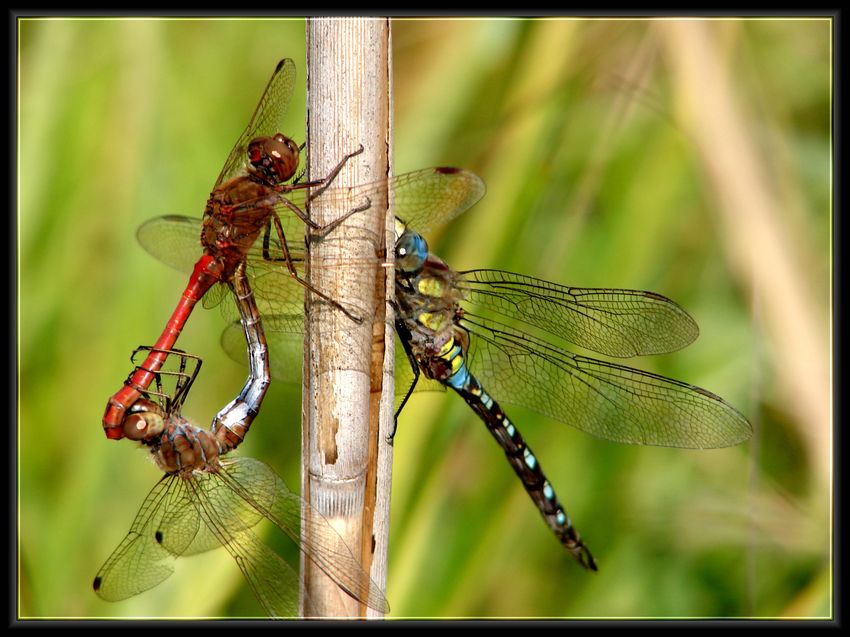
x: 273, y: 159
x: 183, y: 448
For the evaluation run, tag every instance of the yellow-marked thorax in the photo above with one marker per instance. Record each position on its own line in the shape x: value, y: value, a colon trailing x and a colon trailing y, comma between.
x: 430, y: 303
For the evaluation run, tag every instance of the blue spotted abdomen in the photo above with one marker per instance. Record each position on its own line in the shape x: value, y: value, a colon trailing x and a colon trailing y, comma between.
x: 519, y: 454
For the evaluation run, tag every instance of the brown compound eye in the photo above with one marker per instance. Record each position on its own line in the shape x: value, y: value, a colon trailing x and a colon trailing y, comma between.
x: 145, y: 422
x: 290, y: 145
x: 143, y: 425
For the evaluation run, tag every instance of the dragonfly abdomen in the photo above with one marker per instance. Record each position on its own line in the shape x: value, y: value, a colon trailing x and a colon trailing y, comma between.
x: 519, y: 454
x: 231, y: 424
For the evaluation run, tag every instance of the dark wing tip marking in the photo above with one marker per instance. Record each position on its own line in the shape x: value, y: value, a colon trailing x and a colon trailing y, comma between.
x: 447, y: 170
x: 158, y: 537
x: 97, y: 582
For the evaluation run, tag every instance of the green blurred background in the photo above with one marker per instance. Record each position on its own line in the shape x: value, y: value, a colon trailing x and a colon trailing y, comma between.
x: 691, y: 158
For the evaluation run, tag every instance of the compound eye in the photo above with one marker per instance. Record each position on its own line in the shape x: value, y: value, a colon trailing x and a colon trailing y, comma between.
x: 143, y: 425
x: 411, y: 250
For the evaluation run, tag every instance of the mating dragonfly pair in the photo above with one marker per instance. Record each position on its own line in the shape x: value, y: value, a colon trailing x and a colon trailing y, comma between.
x: 468, y: 331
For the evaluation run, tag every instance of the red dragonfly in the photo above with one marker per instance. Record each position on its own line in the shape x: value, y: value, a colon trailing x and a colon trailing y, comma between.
x: 248, y: 196
x: 229, y: 232
x: 205, y: 501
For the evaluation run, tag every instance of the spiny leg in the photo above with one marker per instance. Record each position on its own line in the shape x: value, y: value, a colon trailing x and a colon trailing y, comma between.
x: 404, y: 337
x: 287, y: 258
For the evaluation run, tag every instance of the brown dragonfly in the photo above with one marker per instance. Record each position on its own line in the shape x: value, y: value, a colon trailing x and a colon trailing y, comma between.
x: 206, y: 501
x: 251, y: 192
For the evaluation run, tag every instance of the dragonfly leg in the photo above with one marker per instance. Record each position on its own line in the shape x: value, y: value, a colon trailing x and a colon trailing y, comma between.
x: 184, y: 379
x: 290, y: 266
x: 321, y: 230
x: 322, y: 184
x: 329, y: 178
x: 404, y: 337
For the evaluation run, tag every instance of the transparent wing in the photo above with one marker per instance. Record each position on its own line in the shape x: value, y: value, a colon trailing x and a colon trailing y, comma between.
x: 266, y: 120
x: 428, y: 198
x: 260, y: 486
x: 228, y: 516
x: 173, y: 240
x: 602, y: 399
x: 613, y: 322
x: 141, y: 561
x: 186, y: 516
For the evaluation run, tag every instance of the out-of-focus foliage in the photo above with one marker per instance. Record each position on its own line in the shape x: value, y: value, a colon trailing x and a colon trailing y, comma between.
x: 610, y: 149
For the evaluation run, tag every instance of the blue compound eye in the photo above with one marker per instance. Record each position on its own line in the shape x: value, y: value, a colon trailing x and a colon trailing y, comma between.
x: 411, y: 250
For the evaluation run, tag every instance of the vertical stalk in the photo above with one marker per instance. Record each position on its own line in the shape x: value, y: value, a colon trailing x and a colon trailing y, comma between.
x: 348, y: 375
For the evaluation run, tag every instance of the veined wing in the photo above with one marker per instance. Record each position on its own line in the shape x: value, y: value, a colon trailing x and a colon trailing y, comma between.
x: 266, y: 120
x: 173, y: 240
x: 228, y: 515
x: 171, y: 524
x: 185, y: 516
x: 141, y: 561
x: 614, y: 322
x: 176, y: 241
x: 424, y: 199
x: 263, y: 489
x: 609, y: 401
x: 431, y: 197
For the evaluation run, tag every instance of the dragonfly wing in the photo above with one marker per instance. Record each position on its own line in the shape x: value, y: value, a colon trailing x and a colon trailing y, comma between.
x: 619, y: 323
x: 228, y: 517
x: 259, y: 485
x: 219, y: 295
x: 232, y: 514
x: 175, y: 241
x: 427, y: 198
x: 423, y: 198
x: 602, y: 399
x: 141, y: 561
x: 266, y: 120
x: 274, y: 582
x: 276, y: 292
x: 172, y: 239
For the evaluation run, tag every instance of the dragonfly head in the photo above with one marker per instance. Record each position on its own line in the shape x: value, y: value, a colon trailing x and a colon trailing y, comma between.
x: 145, y: 421
x: 273, y: 159
x: 411, y: 250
